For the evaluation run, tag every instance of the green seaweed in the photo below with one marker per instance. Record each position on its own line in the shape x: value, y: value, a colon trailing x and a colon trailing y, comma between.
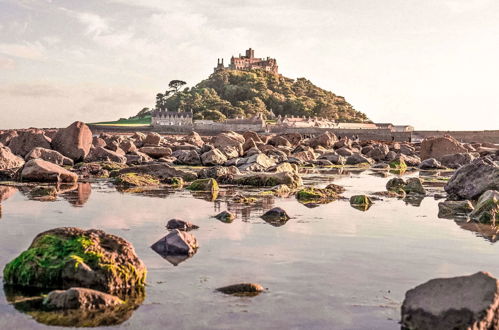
x: 136, y: 180
x: 204, y: 185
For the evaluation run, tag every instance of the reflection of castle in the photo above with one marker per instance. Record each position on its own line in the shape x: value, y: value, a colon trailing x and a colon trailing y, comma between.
x: 249, y: 62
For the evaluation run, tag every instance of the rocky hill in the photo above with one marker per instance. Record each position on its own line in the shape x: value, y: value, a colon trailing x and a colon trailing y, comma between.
x: 234, y: 93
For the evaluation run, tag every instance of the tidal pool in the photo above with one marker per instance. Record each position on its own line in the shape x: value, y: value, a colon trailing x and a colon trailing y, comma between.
x: 329, y: 267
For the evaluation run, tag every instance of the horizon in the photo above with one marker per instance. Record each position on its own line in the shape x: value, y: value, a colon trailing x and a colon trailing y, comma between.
x: 425, y: 64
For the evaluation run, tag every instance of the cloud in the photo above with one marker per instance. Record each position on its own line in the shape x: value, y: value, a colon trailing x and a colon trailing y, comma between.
x: 32, y: 90
x: 31, y: 51
x: 462, y: 6
x: 7, y: 63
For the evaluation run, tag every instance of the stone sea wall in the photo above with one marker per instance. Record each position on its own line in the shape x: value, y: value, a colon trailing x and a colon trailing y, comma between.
x: 491, y: 136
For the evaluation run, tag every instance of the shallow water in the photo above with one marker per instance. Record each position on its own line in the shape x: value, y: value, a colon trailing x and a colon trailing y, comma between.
x: 329, y: 267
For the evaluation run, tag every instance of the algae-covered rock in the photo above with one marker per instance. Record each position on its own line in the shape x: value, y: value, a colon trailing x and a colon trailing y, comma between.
x: 242, y: 289
x: 487, y: 207
x: 414, y: 186
x: 175, y: 182
x: 71, y: 257
x: 291, y: 179
x: 136, y: 180
x: 226, y: 216
x: 361, y: 202
x: 316, y: 195
x: 276, y: 217
x: 395, y: 184
x: 398, y: 164
x: 210, y: 185
x: 180, y: 225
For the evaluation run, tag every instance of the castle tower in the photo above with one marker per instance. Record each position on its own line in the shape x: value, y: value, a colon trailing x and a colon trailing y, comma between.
x: 250, y: 53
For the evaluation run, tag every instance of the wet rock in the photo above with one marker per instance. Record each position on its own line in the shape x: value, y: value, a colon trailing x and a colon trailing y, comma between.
x: 242, y: 289
x: 80, y: 298
x: 152, y: 139
x: 156, y: 152
x: 430, y: 164
x: 161, y: 171
x: 100, y: 154
x: 334, y: 158
x: 180, y: 225
x: 209, y: 185
x: 73, y: 141
x: 50, y: 156
x: 395, y: 184
x: 344, y: 151
x: 378, y: 152
x: 391, y: 194
x: 176, y: 243
x: 398, y: 164
x: 464, y: 302
x: 226, y: 216
x: 8, y: 160
x: 136, y: 180
x: 451, y: 209
x: 472, y: 180
x: 276, y: 216
x: 291, y: 179
x: 316, y: 195
x: 414, y: 186
x: 137, y: 158
x: 436, y: 147
x: 361, y: 202
x: 487, y: 208
x: 213, y: 157
x: 40, y: 170
x: 26, y: 141
x: 71, y: 257
x: 457, y: 160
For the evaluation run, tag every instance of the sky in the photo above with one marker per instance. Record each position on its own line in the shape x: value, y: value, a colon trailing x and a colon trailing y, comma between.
x: 433, y: 64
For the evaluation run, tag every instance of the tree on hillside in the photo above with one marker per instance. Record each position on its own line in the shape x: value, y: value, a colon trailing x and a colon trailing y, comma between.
x: 175, y: 85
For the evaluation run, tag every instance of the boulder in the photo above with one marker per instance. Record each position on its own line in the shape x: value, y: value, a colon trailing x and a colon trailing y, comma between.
x: 464, y: 302
x: 228, y: 139
x: 378, y: 152
x: 210, y: 185
x: 395, y: 184
x: 316, y: 195
x: 156, y: 152
x: 219, y: 173
x: 256, y: 163
x: 360, y: 200
x: 194, y: 139
x: 5, y: 137
x: 128, y: 146
x: 344, y: 151
x: 242, y: 289
x: 8, y: 160
x: 291, y: 179
x: 451, y: 209
x: 176, y: 243
x: 80, y: 298
x: 40, y: 170
x: 161, y: 171
x: 276, y: 216
x: 136, y: 180
x: 487, y: 208
x: 98, y: 142
x: 226, y: 216
x: 71, y: 257
x: 232, y: 151
x: 457, y: 160
x: 50, y: 156
x: 414, y: 186
x: 472, y: 180
x: 6, y: 192
x: 136, y: 158
x: 334, y: 158
x: 278, y: 140
x: 26, y: 141
x: 250, y: 135
x: 430, y: 164
x: 187, y: 157
x: 436, y: 147
x: 139, y: 138
x: 100, y: 154
x: 213, y: 157
x: 152, y: 139
x: 73, y: 141
x: 357, y: 158
x: 326, y: 140
x: 180, y: 225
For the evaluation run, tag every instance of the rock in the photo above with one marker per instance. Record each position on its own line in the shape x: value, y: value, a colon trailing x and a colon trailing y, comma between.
x: 277, y: 141
x: 43, y: 193
x: 360, y: 200
x: 290, y: 179
x: 334, y: 158
x: 284, y: 167
x: 50, y: 156
x: 336, y: 188
x: 487, y: 208
x: 137, y: 158
x: 176, y: 243
x: 80, y: 298
x: 395, y: 184
x: 344, y: 151
x: 6, y: 192
x: 40, y: 170
x: 7, y: 136
x: 98, y: 142
x: 316, y: 195
x: 304, y: 156
x: 175, y: 182
x: 73, y: 141
x: 226, y: 216
x: 276, y: 216
x: 194, y: 139
x: 152, y: 139
x: 213, y: 157
x: 72, y: 257
x: 430, y: 164
x: 378, y: 152
x: 26, y: 141
x: 161, y: 171
x: 464, y: 302
x: 100, y: 154
x: 326, y: 140
x: 451, y: 209
x: 391, y: 155
x: 219, y: 173
x: 250, y: 135
x: 242, y: 289
x: 128, y: 146
x: 156, y: 152
x: 210, y: 185
x: 415, y: 186
x: 457, y: 160
x: 139, y: 138
x: 180, y: 225
x: 436, y: 147
x: 136, y: 180
x: 281, y: 190
x: 8, y: 160
x: 357, y: 158
x: 343, y: 142
x: 187, y: 157
x: 256, y: 163
x: 398, y: 164
x: 472, y: 180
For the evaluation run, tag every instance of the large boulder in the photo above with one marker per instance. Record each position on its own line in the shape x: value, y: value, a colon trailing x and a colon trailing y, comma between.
x: 256, y: 163
x: 487, y: 208
x: 73, y: 141
x: 451, y: 209
x: 220, y: 173
x: 187, y: 157
x: 50, y: 156
x: 326, y: 140
x: 430, y: 164
x: 194, y: 139
x: 156, y: 152
x: 457, y: 160
x: 357, y: 158
x: 213, y: 157
x: 8, y: 160
x: 378, y: 152
x: 278, y: 140
x: 5, y: 137
x: 100, y: 154
x: 80, y: 298
x: 290, y: 179
x: 26, y: 141
x: 229, y: 139
x: 436, y: 147
x: 68, y: 257
x: 464, y: 302
x: 276, y: 217
x: 152, y: 139
x: 472, y: 180
x: 206, y: 185
x: 161, y: 171
x: 39, y: 170
x: 176, y: 243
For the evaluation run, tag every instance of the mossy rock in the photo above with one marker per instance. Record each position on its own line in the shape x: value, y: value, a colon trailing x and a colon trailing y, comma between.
x: 136, y: 180
x: 360, y: 200
x: 414, y: 186
x: 316, y: 195
x: 209, y: 185
x: 176, y: 182
x: 71, y: 257
x: 398, y: 164
x: 395, y: 184
x: 487, y: 208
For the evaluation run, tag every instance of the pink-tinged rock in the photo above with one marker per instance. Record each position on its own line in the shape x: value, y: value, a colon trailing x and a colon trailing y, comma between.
x: 39, y: 170
x: 26, y: 141
x: 8, y: 160
x: 437, y: 147
x: 74, y: 141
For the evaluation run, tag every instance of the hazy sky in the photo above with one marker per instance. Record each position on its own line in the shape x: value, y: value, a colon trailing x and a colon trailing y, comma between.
x: 433, y: 64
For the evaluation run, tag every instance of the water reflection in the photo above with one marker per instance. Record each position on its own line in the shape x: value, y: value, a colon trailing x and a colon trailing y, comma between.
x: 5, y: 193
x: 490, y: 233
x: 30, y: 302
x: 79, y: 195
x: 414, y: 200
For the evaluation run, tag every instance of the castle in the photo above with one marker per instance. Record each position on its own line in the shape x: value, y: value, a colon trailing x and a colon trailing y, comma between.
x: 249, y: 62
x: 171, y: 118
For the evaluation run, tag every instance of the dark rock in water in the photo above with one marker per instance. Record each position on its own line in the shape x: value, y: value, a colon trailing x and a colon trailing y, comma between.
x: 209, y: 185
x: 472, y: 180
x: 451, y: 209
x: 226, y: 216
x: 361, y: 202
x: 180, y: 225
x: 316, y: 195
x: 136, y: 180
x: 411, y: 186
x: 39, y: 170
x: 336, y: 188
x: 291, y: 179
x: 464, y: 302
x: 80, y: 298
x: 43, y: 193
x: 242, y: 289
x: 276, y: 217
x: 430, y: 164
x: 161, y: 171
x: 73, y: 141
x: 487, y: 208
x: 395, y: 184
x: 457, y: 160
x: 71, y: 257
x: 176, y: 243
x: 219, y: 173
